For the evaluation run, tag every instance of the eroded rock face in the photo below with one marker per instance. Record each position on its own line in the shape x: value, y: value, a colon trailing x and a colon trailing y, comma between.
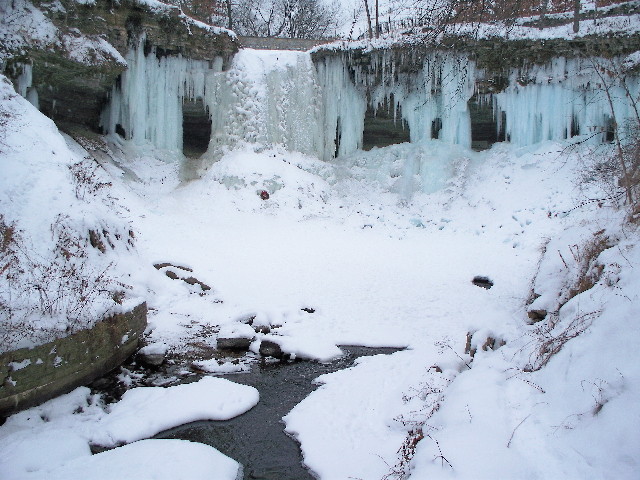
x: 76, y: 66
x: 30, y: 376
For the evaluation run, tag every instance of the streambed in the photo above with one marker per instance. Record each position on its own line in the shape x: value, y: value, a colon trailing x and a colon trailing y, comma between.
x: 256, y: 439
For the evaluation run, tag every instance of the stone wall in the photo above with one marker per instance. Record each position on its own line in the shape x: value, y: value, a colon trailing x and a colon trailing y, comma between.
x: 494, y: 56
x: 33, y: 375
x: 272, y: 43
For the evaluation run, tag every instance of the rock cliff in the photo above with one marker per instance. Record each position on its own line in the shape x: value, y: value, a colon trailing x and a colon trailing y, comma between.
x: 73, y: 51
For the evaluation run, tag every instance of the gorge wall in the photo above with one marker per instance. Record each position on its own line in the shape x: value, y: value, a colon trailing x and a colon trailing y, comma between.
x: 72, y: 53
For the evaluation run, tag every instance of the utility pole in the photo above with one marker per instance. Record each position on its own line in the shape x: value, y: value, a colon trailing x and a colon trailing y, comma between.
x: 576, y: 16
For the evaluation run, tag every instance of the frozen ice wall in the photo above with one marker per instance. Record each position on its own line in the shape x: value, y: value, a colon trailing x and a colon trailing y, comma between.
x: 344, y: 107
x: 280, y: 97
x: 435, y: 95
x: 264, y: 98
x: 567, y: 97
x: 147, y: 103
x: 271, y: 98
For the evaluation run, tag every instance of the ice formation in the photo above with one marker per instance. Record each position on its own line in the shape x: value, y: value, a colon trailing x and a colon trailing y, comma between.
x: 269, y: 98
x: 567, y: 97
x: 147, y: 103
x: 265, y: 98
x: 24, y: 85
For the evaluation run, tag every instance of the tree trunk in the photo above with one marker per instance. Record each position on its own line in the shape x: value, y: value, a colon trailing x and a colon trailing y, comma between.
x: 377, y: 21
x: 543, y: 14
x: 230, y: 24
x: 576, y: 16
x: 366, y: 7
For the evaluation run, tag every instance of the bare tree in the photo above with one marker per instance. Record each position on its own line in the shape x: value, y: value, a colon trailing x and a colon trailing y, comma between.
x: 286, y: 18
x: 366, y: 8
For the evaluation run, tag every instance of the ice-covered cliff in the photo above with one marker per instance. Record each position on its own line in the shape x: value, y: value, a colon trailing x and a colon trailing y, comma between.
x: 281, y: 98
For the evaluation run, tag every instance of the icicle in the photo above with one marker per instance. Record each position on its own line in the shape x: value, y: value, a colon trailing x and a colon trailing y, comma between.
x: 564, y: 98
x: 24, y: 82
x: 148, y: 103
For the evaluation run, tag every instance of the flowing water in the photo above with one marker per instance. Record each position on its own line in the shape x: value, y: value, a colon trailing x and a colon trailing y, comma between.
x: 256, y: 439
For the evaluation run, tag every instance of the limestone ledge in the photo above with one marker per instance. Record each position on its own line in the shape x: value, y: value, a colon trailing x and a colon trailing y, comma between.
x: 31, y: 376
x: 72, y: 88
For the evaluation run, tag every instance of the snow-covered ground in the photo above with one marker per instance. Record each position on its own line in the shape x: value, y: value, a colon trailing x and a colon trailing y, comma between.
x: 354, y: 253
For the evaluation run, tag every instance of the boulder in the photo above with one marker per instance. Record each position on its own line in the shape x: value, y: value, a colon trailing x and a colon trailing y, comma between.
x: 235, y: 336
x: 270, y: 348
x: 237, y: 343
x: 152, y: 355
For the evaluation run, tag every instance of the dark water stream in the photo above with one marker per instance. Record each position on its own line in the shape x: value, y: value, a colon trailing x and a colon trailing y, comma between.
x: 256, y: 439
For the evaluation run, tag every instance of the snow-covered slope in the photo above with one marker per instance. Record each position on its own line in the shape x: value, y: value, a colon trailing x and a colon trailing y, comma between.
x: 65, y: 236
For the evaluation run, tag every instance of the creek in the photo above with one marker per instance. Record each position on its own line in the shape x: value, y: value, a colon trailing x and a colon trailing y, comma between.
x: 256, y: 439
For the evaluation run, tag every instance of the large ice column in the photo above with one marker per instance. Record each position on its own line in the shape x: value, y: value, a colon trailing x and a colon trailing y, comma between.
x: 147, y: 103
x: 269, y: 98
x: 441, y: 95
x: 344, y: 108
x: 566, y: 97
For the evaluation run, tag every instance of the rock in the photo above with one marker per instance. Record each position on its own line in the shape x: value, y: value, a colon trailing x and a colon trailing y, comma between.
x: 536, y: 315
x: 171, y: 274
x: 269, y: 348
x: 235, y: 336
x: 237, y: 343
x: 159, y: 266
x: 195, y: 281
x: 51, y: 369
x: 151, y: 360
x: 174, y: 276
x: 152, y: 355
x: 484, y: 282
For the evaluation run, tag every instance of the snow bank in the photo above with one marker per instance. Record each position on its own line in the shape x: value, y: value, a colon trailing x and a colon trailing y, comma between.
x: 66, y: 426
x: 346, y: 427
x: 578, y: 412
x: 157, y: 459
x: 146, y: 411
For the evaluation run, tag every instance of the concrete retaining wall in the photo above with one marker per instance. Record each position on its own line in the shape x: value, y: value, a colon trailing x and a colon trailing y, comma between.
x: 33, y: 375
x: 273, y: 43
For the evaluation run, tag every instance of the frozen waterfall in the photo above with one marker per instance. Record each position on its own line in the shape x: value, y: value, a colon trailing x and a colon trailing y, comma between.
x: 269, y: 98
x: 264, y: 98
